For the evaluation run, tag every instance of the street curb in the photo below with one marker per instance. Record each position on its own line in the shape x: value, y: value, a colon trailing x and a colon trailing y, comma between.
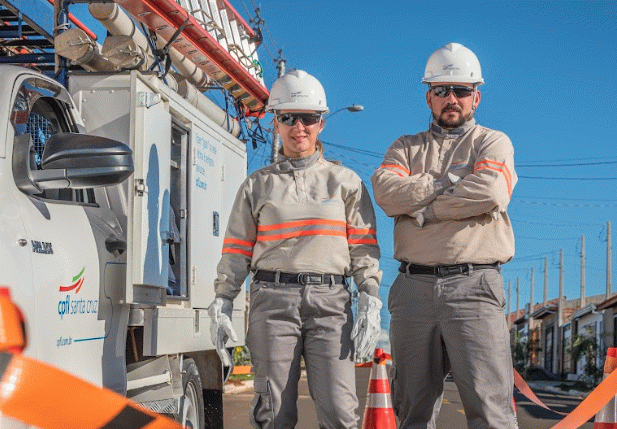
x: 237, y: 388
x: 553, y: 389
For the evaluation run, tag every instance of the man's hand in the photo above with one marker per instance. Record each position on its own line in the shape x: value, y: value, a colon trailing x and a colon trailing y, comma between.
x: 367, y: 328
x: 221, y: 329
x: 441, y: 184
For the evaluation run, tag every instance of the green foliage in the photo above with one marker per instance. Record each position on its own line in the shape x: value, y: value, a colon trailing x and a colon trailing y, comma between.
x: 239, y: 378
x: 587, y: 346
x: 521, y: 351
x: 241, y: 356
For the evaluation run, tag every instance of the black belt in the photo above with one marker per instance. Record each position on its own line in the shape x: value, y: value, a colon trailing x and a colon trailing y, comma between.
x: 298, y: 278
x: 443, y: 270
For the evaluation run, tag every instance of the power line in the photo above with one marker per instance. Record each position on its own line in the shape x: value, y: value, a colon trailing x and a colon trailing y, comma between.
x: 567, y: 225
x: 568, y: 199
x: 542, y: 203
x: 356, y: 150
x: 568, y: 178
x: 579, y: 164
x: 519, y: 237
x: 576, y: 160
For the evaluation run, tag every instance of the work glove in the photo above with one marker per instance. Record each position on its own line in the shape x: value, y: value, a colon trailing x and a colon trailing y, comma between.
x: 441, y: 184
x: 221, y: 329
x: 418, y: 217
x: 453, y: 178
x: 367, y: 328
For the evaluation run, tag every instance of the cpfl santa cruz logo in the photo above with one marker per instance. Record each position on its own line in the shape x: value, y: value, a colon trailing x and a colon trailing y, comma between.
x: 72, y: 306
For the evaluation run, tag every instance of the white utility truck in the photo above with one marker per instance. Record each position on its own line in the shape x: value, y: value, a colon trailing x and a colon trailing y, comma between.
x: 113, y: 270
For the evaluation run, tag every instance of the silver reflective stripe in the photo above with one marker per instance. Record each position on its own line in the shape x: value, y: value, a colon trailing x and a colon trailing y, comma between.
x: 378, y: 400
x: 380, y: 372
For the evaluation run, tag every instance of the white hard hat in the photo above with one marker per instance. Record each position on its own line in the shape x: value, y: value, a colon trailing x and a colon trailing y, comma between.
x: 297, y: 90
x: 453, y: 63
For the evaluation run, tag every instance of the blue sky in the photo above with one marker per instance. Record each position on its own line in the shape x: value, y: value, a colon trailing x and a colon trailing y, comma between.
x: 549, y: 69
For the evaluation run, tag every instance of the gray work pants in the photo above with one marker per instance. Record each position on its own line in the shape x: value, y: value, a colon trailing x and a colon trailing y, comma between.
x: 313, y: 321
x: 443, y: 324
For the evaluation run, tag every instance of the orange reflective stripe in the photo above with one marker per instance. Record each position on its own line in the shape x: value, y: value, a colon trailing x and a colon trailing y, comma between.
x: 496, y: 166
x: 362, y: 241
x: 301, y: 233
x: 354, y: 231
x: 296, y: 223
x: 396, y: 166
x: 240, y: 242
x: 240, y: 251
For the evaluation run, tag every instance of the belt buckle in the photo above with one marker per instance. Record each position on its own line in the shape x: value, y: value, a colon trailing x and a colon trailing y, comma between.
x: 441, y: 271
x: 444, y: 270
x: 310, y: 279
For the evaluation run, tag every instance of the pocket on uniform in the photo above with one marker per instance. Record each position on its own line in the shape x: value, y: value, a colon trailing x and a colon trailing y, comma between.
x: 262, y: 413
x: 395, y: 391
x: 493, y: 281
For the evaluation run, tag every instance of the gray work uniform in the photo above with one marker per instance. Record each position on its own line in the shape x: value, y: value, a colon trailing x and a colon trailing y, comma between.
x: 301, y: 215
x: 454, y: 322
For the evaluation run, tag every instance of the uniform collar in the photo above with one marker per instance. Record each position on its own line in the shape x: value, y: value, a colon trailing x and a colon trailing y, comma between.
x: 456, y: 131
x: 287, y: 164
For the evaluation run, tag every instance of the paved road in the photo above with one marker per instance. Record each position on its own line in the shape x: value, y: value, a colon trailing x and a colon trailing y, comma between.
x: 452, y: 416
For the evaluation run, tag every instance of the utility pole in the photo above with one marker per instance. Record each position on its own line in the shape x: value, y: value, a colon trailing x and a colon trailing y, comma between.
x: 582, y: 271
x: 560, y: 305
x: 561, y: 298
x: 608, y: 259
x: 276, y: 138
x: 508, y: 312
x: 517, y: 306
x: 530, y: 320
x: 532, y: 339
x: 545, y: 296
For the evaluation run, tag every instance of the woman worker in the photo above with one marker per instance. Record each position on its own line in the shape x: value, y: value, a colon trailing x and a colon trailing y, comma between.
x: 302, y: 225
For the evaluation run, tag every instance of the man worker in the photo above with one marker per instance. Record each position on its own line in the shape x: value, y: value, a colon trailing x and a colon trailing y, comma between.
x: 448, y: 189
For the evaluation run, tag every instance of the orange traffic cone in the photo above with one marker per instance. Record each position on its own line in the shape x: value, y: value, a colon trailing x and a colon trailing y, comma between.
x: 607, y: 416
x: 515, y: 415
x: 378, y: 413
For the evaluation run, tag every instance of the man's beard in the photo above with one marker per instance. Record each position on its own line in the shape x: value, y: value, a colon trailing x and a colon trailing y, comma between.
x: 451, y: 123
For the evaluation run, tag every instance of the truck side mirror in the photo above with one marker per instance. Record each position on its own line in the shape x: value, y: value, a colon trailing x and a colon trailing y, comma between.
x: 72, y: 160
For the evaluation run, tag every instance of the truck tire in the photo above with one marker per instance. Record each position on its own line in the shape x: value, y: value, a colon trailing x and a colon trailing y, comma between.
x: 191, y: 413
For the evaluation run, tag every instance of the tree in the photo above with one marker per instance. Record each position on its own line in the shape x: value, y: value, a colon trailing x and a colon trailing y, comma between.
x: 586, y: 346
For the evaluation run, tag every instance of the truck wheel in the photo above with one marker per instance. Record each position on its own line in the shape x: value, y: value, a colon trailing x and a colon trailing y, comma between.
x: 191, y: 413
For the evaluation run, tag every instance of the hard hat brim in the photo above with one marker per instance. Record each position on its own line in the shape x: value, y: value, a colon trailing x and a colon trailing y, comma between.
x: 298, y: 106
x: 453, y: 79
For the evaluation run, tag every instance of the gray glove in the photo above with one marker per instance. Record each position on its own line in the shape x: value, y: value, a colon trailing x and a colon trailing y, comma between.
x: 441, y: 184
x: 418, y: 217
x: 221, y: 329
x: 367, y: 328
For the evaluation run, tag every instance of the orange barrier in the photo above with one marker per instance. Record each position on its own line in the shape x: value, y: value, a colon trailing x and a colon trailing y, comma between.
x: 12, y: 332
x: 378, y: 413
x: 38, y: 394
x: 524, y: 388
x: 607, y: 416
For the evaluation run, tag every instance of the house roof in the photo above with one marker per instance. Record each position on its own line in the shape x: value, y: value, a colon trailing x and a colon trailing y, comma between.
x: 543, y: 312
x: 609, y: 303
x: 583, y: 311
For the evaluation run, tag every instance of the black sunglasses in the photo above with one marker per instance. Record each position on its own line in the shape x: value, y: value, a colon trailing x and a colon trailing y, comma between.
x: 291, y: 118
x: 442, y: 91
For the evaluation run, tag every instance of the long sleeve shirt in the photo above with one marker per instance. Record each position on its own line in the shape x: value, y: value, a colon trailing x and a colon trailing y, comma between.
x: 469, y: 221
x: 301, y: 215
